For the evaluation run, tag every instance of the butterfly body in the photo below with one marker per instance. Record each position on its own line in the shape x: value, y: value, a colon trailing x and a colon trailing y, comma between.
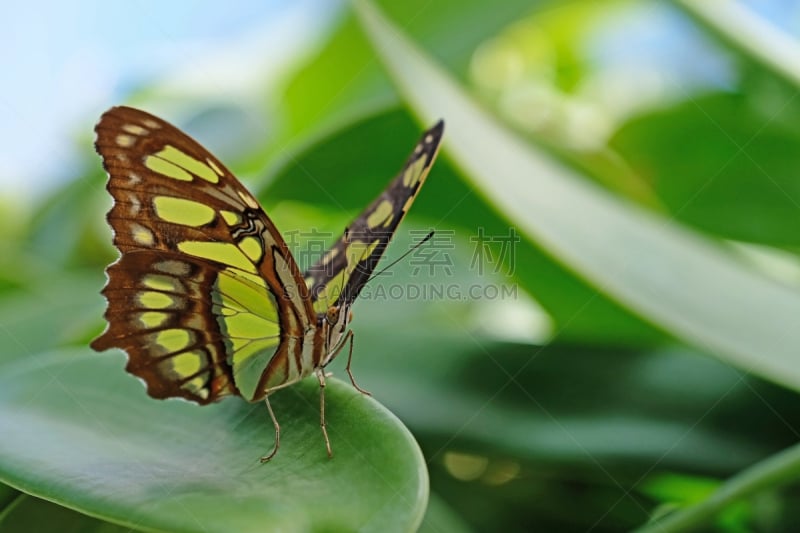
x: 206, y: 298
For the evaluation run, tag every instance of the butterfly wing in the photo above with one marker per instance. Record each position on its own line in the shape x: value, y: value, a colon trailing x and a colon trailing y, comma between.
x: 339, y: 276
x: 206, y: 299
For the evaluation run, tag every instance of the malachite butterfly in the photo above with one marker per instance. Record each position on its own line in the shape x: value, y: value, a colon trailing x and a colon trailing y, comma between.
x: 206, y: 298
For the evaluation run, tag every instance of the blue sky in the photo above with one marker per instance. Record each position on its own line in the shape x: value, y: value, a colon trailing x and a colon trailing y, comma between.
x: 66, y: 62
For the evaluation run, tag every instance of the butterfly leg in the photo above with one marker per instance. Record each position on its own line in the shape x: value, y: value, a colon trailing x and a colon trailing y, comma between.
x: 349, y: 360
x: 321, y: 378
x: 277, y: 433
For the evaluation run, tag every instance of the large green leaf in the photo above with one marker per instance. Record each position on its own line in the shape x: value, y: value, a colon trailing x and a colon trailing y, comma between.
x: 674, y: 278
x: 79, y: 431
x: 740, y: 182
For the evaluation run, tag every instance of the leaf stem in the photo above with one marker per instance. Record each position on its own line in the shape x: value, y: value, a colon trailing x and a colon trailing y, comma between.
x: 774, y: 471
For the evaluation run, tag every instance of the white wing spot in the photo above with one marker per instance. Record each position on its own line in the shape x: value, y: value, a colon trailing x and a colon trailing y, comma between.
x: 125, y: 141
x: 135, y: 129
x: 214, y: 167
x: 246, y: 198
x: 142, y: 235
x: 170, y: 266
x: 134, y: 178
x: 135, y: 205
x: 152, y: 124
x: 429, y: 139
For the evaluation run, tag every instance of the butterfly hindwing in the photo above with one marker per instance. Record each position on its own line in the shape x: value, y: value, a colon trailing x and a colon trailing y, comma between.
x: 339, y: 276
x: 159, y: 313
x: 234, y: 298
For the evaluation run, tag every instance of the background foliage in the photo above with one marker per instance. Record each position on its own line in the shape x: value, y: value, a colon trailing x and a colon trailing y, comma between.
x: 639, y: 371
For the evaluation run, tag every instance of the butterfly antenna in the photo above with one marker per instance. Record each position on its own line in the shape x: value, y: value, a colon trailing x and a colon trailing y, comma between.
x: 393, y: 263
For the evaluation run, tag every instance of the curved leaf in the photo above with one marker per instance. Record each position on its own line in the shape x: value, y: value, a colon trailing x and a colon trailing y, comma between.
x: 775, y: 471
x: 80, y: 432
x: 753, y: 195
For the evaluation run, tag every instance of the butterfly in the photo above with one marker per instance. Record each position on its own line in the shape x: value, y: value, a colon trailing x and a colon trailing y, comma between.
x: 206, y: 298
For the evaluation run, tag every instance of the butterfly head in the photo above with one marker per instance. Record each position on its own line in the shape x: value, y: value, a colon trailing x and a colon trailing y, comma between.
x: 336, y: 321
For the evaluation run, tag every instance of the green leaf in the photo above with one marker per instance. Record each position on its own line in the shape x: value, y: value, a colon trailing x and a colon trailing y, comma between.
x: 440, y: 517
x: 79, y: 431
x: 677, y: 488
x: 747, y: 164
x: 67, y: 309
x: 780, y: 469
x: 32, y: 514
x: 7, y: 496
x: 674, y: 278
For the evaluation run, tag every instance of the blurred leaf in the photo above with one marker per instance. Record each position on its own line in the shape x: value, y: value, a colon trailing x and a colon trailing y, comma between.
x: 543, y: 498
x: 53, y: 313
x: 674, y: 278
x: 739, y: 182
x: 779, y: 469
x: 65, y: 230
x: 671, y: 487
x: 32, y: 514
x: 80, y: 432
x: 7, y: 496
x: 440, y: 518
x: 346, y: 67
x: 613, y: 408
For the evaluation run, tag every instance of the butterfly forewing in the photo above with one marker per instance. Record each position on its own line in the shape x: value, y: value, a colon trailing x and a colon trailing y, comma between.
x: 339, y: 276
x: 205, y: 298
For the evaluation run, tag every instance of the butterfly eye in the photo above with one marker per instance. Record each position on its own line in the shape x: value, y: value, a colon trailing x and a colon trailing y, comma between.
x: 332, y: 315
